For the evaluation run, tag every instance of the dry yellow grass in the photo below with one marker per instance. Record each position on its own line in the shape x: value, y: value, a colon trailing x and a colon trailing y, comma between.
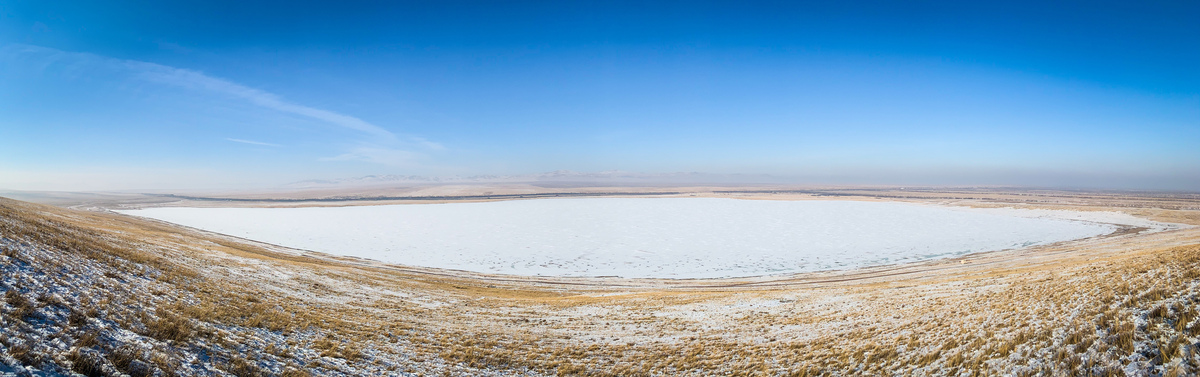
x: 1087, y: 307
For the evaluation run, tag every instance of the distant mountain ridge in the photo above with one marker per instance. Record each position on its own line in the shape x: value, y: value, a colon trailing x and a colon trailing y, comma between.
x: 562, y: 176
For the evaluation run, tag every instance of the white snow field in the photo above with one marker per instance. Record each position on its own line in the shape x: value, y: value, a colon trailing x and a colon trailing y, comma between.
x: 642, y: 237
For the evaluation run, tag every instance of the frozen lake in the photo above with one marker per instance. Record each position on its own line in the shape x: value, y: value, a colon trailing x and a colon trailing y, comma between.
x: 640, y: 237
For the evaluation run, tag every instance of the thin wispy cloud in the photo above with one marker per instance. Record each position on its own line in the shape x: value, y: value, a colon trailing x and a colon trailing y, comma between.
x: 80, y: 62
x: 387, y: 147
x: 428, y: 144
x: 252, y: 142
x: 379, y: 155
x: 196, y: 80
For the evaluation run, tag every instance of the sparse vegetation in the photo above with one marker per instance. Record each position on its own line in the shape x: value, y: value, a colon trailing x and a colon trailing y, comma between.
x: 77, y: 284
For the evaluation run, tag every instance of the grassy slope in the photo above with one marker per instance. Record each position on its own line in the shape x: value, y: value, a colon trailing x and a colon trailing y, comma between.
x: 100, y: 294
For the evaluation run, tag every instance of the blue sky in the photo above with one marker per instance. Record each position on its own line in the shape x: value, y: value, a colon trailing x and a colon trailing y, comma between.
x: 174, y: 95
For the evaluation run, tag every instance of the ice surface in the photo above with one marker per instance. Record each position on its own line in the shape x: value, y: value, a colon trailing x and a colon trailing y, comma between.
x: 639, y: 237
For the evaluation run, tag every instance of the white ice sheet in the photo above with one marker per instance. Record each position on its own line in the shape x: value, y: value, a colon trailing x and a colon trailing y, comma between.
x: 638, y: 237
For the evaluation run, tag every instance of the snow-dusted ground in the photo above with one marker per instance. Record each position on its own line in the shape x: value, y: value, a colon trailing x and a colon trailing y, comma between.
x: 644, y: 237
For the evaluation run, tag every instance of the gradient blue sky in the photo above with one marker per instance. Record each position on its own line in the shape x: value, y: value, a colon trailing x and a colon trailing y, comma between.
x: 171, y: 95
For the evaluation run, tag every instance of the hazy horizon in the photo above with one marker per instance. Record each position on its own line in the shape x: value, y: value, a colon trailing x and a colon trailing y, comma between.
x: 216, y: 95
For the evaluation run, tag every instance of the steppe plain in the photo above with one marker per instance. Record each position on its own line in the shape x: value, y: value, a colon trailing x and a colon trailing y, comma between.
x: 92, y: 292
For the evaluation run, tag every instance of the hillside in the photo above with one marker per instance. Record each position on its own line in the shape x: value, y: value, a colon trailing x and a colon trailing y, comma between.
x: 101, y: 294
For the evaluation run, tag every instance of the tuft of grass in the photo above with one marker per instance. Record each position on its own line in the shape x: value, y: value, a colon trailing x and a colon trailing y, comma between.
x: 86, y: 362
x: 1159, y: 312
x: 26, y: 354
x: 294, y: 372
x: 124, y: 355
x: 1084, y: 344
x: 87, y: 339
x: 76, y: 318
x: 330, y: 347
x: 169, y: 326
x: 241, y: 367
x: 1175, y: 371
x: 1155, y: 294
x: 165, y: 363
x: 1186, y: 315
x: 1169, y: 349
x: 1074, y: 338
x: 11, y: 253
x: 1123, y: 336
x: 22, y: 307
